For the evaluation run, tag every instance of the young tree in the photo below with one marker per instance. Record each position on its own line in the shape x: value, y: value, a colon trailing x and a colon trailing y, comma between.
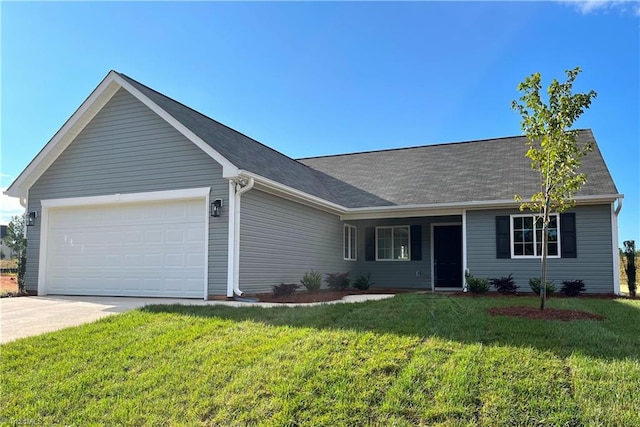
x: 17, y: 242
x: 553, y: 149
x: 630, y: 254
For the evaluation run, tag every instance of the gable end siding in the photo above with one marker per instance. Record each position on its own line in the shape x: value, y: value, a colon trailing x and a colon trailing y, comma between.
x: 280, y: 240
x: 594, y: 262
x: 127, y: 148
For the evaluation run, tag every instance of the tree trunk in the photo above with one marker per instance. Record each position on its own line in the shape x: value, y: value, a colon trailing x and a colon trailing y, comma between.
x: 543, y: 279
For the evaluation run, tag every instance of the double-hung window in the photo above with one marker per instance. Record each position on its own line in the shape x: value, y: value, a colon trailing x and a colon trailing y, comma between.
x: 350, y: 242
x: 393, y: 243
x: 526, y: 236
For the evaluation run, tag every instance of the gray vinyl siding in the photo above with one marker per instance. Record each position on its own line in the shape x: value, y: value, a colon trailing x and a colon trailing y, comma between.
x: 400, y: 274
x: 280, y: 240
x: 127, y: 148
x: 594, y: 263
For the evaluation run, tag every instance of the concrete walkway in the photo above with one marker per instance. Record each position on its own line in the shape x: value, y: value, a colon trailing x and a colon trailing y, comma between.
x: 26, y: 316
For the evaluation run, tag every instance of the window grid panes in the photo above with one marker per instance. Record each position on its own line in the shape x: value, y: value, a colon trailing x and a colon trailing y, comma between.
x: 350, y: 242
x: 393, y: 243
x: 527, y: 236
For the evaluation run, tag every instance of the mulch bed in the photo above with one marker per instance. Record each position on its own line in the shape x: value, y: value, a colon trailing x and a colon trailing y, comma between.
x: 325, y: 295
x: 322, y: 295
x: 531, y: 294
x: 546, y: 314
x: 8, y: 283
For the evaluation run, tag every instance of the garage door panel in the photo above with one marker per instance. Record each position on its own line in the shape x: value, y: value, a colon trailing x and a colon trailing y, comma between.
x: 138, y: 249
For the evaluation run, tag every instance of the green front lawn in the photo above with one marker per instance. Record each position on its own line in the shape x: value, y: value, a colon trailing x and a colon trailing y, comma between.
x: 417, y: 359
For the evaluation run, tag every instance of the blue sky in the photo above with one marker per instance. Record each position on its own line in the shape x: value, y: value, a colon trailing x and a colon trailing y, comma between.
x: 323, y: 78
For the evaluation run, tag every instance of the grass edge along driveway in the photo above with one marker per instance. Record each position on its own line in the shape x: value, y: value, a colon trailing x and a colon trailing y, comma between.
x: 413, y: 360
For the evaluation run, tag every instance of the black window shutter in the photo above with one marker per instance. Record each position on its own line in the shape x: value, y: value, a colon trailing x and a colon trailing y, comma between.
x: 568, y: 235
x: 503, y: 240
x: 370, y: 244
x: 416, y: 243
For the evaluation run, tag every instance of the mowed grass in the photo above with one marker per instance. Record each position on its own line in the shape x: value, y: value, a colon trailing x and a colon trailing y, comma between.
x: 416, y: 359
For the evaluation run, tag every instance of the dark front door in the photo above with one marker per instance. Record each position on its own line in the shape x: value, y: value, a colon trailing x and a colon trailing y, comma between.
x: 447, y: 256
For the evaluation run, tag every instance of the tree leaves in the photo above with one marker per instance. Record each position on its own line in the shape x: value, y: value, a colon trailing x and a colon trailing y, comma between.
x: 553, y: 149
x: 15, y: 238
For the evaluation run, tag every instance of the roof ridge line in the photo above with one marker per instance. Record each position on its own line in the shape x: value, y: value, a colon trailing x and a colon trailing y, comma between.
x: 438, y: 144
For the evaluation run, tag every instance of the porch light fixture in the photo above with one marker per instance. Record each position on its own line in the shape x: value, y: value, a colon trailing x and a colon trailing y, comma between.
x: 216, y: 207
x: 31, y: 218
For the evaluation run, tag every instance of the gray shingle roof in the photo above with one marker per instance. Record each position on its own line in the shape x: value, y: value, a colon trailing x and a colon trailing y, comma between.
x: 492, y: 169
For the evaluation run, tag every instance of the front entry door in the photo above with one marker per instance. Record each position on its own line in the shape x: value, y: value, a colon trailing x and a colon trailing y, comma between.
x: 447, y: 256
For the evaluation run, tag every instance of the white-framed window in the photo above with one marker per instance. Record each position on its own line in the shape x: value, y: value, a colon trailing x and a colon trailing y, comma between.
x: 393, y: 243
x: 526, y: 236
x: 350, y: 242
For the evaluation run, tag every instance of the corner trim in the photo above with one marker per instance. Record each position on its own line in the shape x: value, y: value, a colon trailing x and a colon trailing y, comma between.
x: 465, y: 266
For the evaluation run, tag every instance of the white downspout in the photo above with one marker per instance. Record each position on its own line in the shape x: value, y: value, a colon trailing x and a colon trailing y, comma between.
x: 615, y: 211
x: 239, y: 190
x: 231, y: 251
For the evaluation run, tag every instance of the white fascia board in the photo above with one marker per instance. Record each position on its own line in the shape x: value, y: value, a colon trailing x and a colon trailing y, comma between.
x: 399, y: 212
x: 65, y: 135
x: 153, y: 196
x: 456, y: 208
x: 395, y: 211
x: 284, y: 191
x: 228, y: 169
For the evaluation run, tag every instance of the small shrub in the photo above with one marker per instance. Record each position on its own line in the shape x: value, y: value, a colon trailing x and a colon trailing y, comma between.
x: 478, y: 285
x: 363, y: 282
x: 284, y: 289
x: 572, y: 288
x: 312, y: 280
x: 504, y: 285
x: 337, y: 281
x: 534, y: 284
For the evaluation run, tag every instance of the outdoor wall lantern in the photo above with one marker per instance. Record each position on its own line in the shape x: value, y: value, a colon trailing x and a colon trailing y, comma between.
x: 216, y: 207
x: 31, y: 218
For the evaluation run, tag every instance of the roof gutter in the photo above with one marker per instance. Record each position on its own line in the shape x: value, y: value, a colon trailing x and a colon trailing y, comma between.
x: 291, y: 193
x: 454, y: 208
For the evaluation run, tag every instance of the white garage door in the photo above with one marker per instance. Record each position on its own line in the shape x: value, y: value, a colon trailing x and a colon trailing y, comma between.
x: 134, y: 249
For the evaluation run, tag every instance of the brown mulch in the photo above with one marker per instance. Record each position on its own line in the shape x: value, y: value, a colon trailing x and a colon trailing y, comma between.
x: 8, y: 283
x: 546, y: 314
x: 322, y: 295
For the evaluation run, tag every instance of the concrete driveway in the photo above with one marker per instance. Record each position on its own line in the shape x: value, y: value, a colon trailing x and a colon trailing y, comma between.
x: 26, y: 316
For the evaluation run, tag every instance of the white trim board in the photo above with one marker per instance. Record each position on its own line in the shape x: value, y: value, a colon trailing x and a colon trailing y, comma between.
x: 190, y: 193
